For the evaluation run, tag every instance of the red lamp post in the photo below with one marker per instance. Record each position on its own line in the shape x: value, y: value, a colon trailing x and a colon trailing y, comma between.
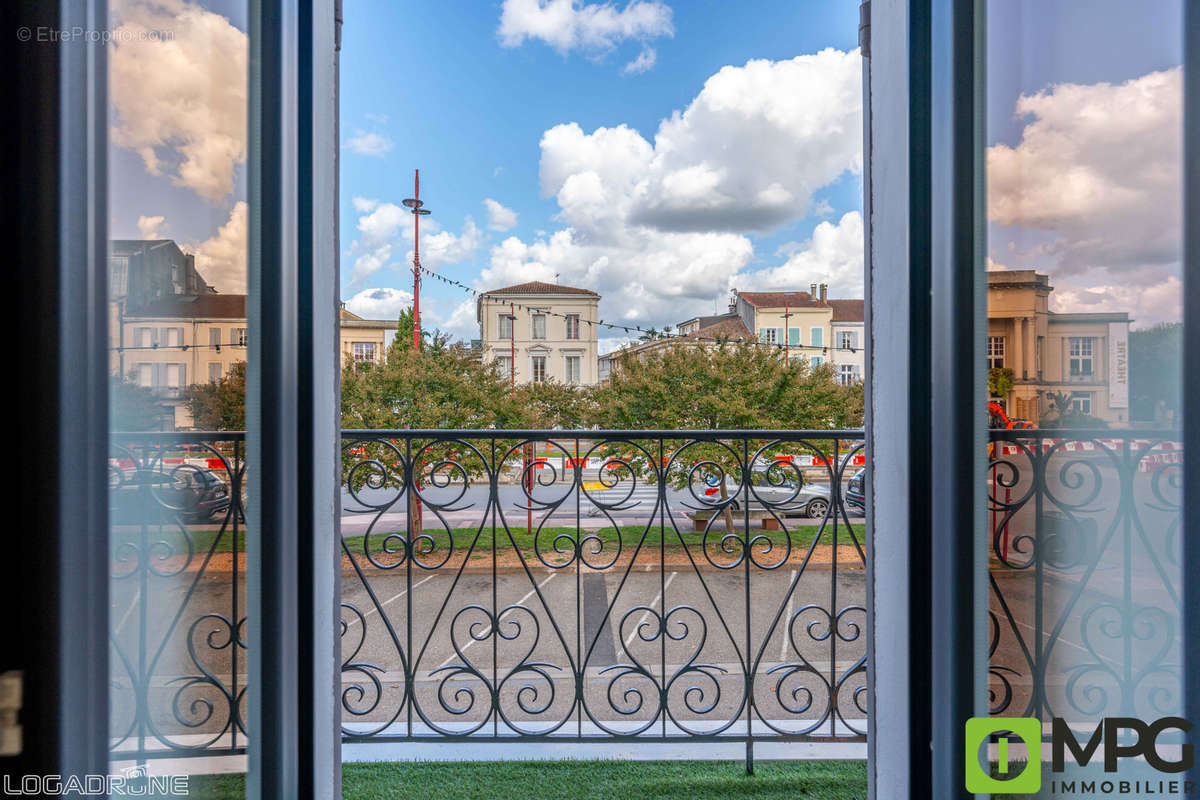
x: 418, y: 211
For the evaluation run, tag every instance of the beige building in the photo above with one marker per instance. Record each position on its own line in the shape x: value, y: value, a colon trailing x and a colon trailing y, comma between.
x: 540, y: 332
x: 365, y: 340
x: 803, y: 324
x: 1083, y: 355
x: 849, y: 329
x: 177, y: 341
x: 171, y: 343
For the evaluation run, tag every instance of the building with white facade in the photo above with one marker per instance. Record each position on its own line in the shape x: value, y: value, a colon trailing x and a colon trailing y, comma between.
x: 539, y: 331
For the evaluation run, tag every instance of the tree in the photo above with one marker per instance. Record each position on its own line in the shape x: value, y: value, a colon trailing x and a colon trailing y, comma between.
x: 726, y: 386
x: 1155, y: 372
x: 1064, y: 415
x: 435, y: 340
x: 1000, y: 382
x: 135, y: 408
x: 550, y: 404
x: 219, y: 405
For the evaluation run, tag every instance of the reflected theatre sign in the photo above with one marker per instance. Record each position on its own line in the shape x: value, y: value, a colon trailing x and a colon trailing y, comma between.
x: 1118, y: 365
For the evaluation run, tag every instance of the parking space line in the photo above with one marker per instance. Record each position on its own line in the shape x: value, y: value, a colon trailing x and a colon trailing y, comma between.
x: 488, y: 632
x: 645, y: 614
x: 391, y: 599
x: 787, y: 618
x: 132, y: 605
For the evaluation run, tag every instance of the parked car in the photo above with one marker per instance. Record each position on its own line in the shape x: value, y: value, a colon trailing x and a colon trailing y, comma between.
x: 195, y: 495
x: 786, y: 496
x: 856, y: 492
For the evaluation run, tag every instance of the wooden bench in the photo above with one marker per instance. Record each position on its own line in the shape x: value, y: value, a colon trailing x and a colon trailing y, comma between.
x: 769, y: 523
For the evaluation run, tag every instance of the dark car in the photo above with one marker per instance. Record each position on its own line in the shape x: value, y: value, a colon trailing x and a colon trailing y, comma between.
x: 856, y: 492
x: 188, y: 494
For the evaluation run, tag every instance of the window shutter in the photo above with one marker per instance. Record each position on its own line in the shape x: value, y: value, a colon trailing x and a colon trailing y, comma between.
x: 762, y: 334
x: 793, y: 336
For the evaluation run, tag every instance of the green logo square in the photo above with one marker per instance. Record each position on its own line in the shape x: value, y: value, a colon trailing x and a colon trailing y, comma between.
x: 978, y: 776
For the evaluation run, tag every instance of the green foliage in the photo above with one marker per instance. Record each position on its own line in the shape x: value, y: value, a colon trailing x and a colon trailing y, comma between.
x: 726, y: 386
x: 403, y: 342
x: 1000, y: 382
x: 135, y: 408
x: 1155, y: 372
x: 555, y: 405
x: 219, y: 405
x: 1064, y: 416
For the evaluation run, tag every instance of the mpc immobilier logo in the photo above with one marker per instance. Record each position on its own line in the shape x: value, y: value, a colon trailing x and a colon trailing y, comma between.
x: 1117, y: 737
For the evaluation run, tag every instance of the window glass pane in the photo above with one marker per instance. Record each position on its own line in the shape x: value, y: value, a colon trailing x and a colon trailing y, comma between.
x: 1083, y: 173
x: 178, y: 217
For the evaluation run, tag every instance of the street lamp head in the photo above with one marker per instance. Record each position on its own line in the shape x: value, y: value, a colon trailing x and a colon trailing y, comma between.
x: 421, y: 211
x: 412, y: 203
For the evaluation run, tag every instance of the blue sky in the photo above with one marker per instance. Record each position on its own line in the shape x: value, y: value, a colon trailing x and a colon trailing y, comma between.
x: 658, y: 152
x: 477, y: 105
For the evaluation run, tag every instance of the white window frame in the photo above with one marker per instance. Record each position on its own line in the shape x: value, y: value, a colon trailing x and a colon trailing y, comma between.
x: 847, y: 340
x: 534, y: 363
x: 572, y: 326
x: 577, y: 378
x: 1081, y: 402
x: 847, y: 374
x: 219, y: 371
x: 533, y: 326
x: 359, y: 350
x: 996, y: 351
x: 503, y: 319
x: 238, y: 336
x: 505, y: 363
x: 1081, y: 352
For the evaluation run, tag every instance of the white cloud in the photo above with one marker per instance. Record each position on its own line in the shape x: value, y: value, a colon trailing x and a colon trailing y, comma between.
x: 150, y: 227
x: 179, y: 107
x: 569, y: 25
x: 834, y: 256
x: 385, y: 236
x: 499, y: 217
x: 380, y: 303
x: 659, y: 229
x: 643, y: 63
x: 746, y: 155
x: 1096, y: 185
x: 1100, y: 167
x: 1146, y: 305
x: 222, y: 259
x: 445, y: 247
x: 369, y: 144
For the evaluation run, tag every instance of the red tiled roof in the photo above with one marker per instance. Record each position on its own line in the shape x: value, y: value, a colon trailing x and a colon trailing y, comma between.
x: 201, y: 306
x: 848, y: 310
x: 780, y: 299
x: 539, y: 287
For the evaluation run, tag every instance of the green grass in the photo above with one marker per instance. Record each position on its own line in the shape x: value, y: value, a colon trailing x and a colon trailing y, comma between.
x: 802, y: 536
x: 586, y: 780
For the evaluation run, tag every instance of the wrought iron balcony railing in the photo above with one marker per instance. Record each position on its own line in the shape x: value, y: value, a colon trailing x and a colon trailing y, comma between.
x: 632, y: 585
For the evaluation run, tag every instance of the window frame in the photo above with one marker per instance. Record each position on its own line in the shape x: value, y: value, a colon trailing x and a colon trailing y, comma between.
x: 995, y: 353
x: 572, y: 332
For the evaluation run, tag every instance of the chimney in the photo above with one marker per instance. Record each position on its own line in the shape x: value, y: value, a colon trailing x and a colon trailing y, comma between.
x: 812, y: 291
x: 733, y: 296
x: 824, y: 290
